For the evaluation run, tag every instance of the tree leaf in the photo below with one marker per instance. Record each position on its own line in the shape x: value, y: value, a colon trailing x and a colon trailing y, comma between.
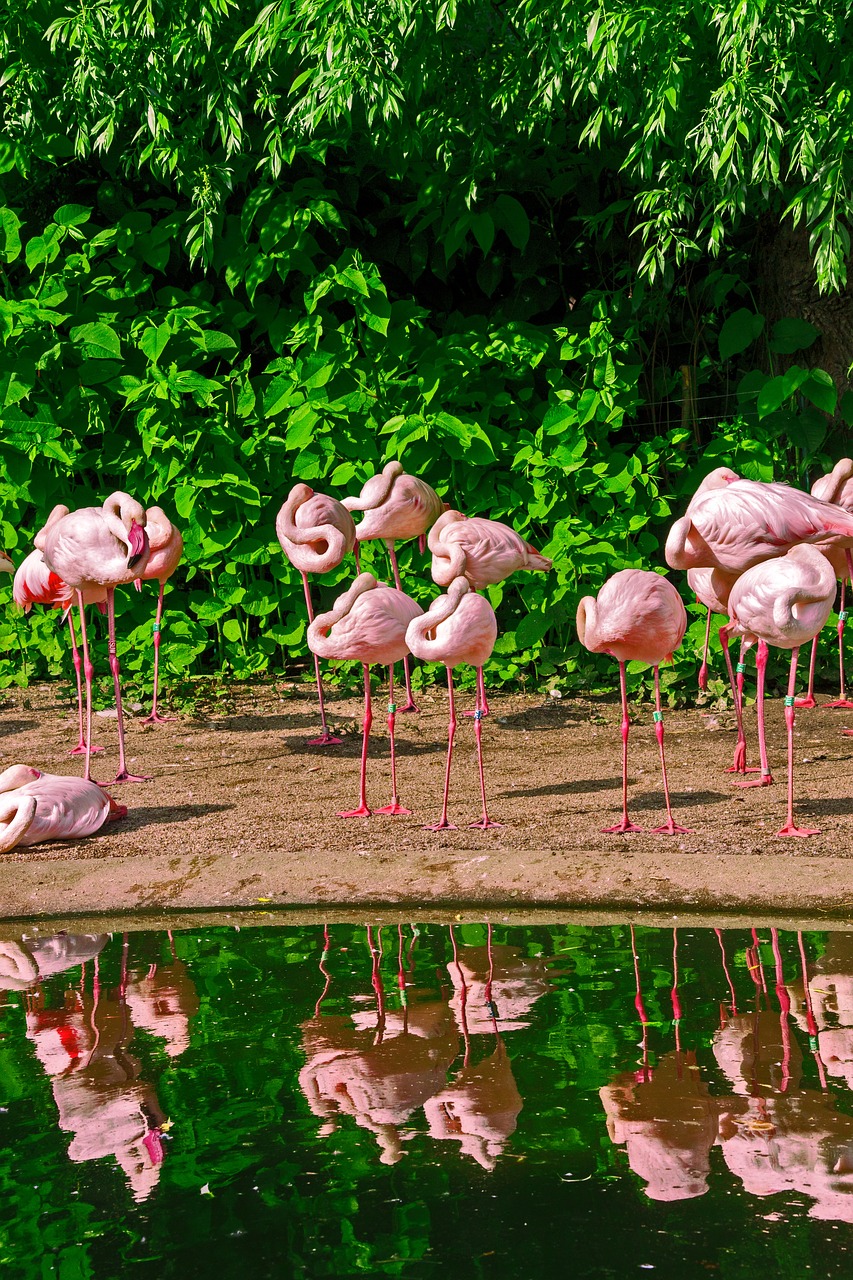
x: 739, y: 332
x: 99, y: 341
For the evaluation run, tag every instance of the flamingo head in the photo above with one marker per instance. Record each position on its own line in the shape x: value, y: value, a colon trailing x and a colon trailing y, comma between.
x: 17, y: 775
x: 127, y: 519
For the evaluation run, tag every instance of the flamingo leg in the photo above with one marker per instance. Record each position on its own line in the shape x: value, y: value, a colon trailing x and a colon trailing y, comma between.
x: 88, y: 671
x: 739, y: 765
x: 626, y: 824
x: 670, y: 827
x: 326, y: 739
x: 394, y: 807
x: 155, y: 717
x: 809, y: 700
x: 790, y: 828
x: 842, y: 700
x: 485, y: 821
x: 122, y: 775
x: 443, y: 824
x: 398, y: 583
x: 482, y: 701
x: 362, y: 811
x: 703, y: 670
x: 765, y: 777
x: 80, y: 749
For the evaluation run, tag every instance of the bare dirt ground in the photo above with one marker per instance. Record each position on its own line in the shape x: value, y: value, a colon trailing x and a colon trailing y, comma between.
x: 240, y: 811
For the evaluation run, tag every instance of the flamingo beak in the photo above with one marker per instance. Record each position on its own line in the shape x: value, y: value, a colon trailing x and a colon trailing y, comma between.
x: 138, y: 539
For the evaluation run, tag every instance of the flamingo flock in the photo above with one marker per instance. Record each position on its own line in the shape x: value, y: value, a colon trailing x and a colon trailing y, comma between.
x: 764, y: 556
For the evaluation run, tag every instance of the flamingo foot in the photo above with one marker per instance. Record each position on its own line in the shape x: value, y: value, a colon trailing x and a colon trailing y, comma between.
x: 621, y: 828
x: 442, y: 826
x: 325, y: 740
x: 791, y: 829
x: 124, y: 776
x: 839, y: 702
x: 739, y: 764
x: 484, y: 823
x: 808, y: 701
x: 847, y: 733
x: 410, y: 708
x: 671, y: 829
x: 115, y: 810
x: 80, y: 750
x: 156, y: 718
x: 394, y: 807
x: 361, y: 812
x: 763, y: 780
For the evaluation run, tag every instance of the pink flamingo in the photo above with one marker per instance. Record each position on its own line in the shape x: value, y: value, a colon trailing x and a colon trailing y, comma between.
x: 36, y: 584
x: 637, y: 617
x: 100, y: 547
x: 368, y: 624
x: 397, y: 507
x: 315, y: 533
x: 483, y: 551
x: 835, y: 487
x: 36, y: 806
x: 783, y: 602
x: 458, y: 627
x: 167, y: 547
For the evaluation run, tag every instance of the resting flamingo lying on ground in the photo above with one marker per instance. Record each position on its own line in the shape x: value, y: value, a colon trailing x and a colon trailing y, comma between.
x: 167, y: 547
x: 397, y: 507
x: 315, y: 533
x: 483, y: 551
x: 100, y: 547
x: 368, y: 624
x: 783, y: 602
x: 637, y: 617
x: 36, y: 806
x: 458, y: 627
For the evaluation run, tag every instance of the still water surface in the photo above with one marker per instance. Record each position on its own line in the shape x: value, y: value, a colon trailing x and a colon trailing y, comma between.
x: 427, y: 1101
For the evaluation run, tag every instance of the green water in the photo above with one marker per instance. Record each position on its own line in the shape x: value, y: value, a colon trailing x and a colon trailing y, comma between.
x: 525, y: 1101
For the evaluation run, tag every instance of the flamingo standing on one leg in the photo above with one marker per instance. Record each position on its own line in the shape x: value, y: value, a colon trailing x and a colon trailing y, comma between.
x: 167, y: 547
x: 36, y: 806
x: 315, y: 532
x: 368, y: 624
x: 458, y: 627
x: 637, y: 617
x: 783, y: 602
x: 835, y: 487
x: 100, y: 547
x: 483, y: 551
x: 397, y: 506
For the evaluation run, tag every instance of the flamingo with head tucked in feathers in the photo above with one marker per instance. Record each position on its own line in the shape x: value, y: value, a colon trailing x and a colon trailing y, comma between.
x: 36, y: 806
x: 835, y: 487
x: 368, y: 624
x: 100, y: 547
x: 397, y: 507
x: 315, y: 532
x: 167, y: 547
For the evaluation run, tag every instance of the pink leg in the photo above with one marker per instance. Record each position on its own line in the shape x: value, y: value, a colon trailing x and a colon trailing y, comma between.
x: 485, y: 821
x: 765, y: 778
x: 809, y: 700
x: 443, y: 824
x: 670, y: 827
x: 394, y: 807
x: 739, y: 765
x: 626, y: 824
x: 842, y: 700
x: 326, y: 739
x: 88, y: 671
x: 703, y: 670
x: 80, y: 749
x: 790, y: 828
x: 362, y: 811
x: 410, y: 701
x: 122, y: 775
x: 155, y: 717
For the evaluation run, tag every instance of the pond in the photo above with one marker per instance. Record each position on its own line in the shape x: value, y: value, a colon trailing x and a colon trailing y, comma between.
x: 427, y: 1100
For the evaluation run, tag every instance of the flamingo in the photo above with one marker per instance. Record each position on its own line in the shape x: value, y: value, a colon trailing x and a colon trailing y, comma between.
x: 315, y: 532
x: 100, y: 547
x: 6, y: 565
x: 36, y: 806
x: 482, y: 550
x: 835, y: 487
x: 167, y: 547
x: 397, y: 506
x: 368, y: 624
x: 783, y: 602
x: 458, y: 627
x: 637, y: 617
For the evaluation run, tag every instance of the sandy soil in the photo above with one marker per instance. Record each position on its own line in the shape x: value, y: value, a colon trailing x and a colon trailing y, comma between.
x: 240, y: 811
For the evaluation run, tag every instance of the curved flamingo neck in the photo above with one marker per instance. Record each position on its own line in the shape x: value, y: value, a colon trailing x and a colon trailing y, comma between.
x: 18, y: 814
